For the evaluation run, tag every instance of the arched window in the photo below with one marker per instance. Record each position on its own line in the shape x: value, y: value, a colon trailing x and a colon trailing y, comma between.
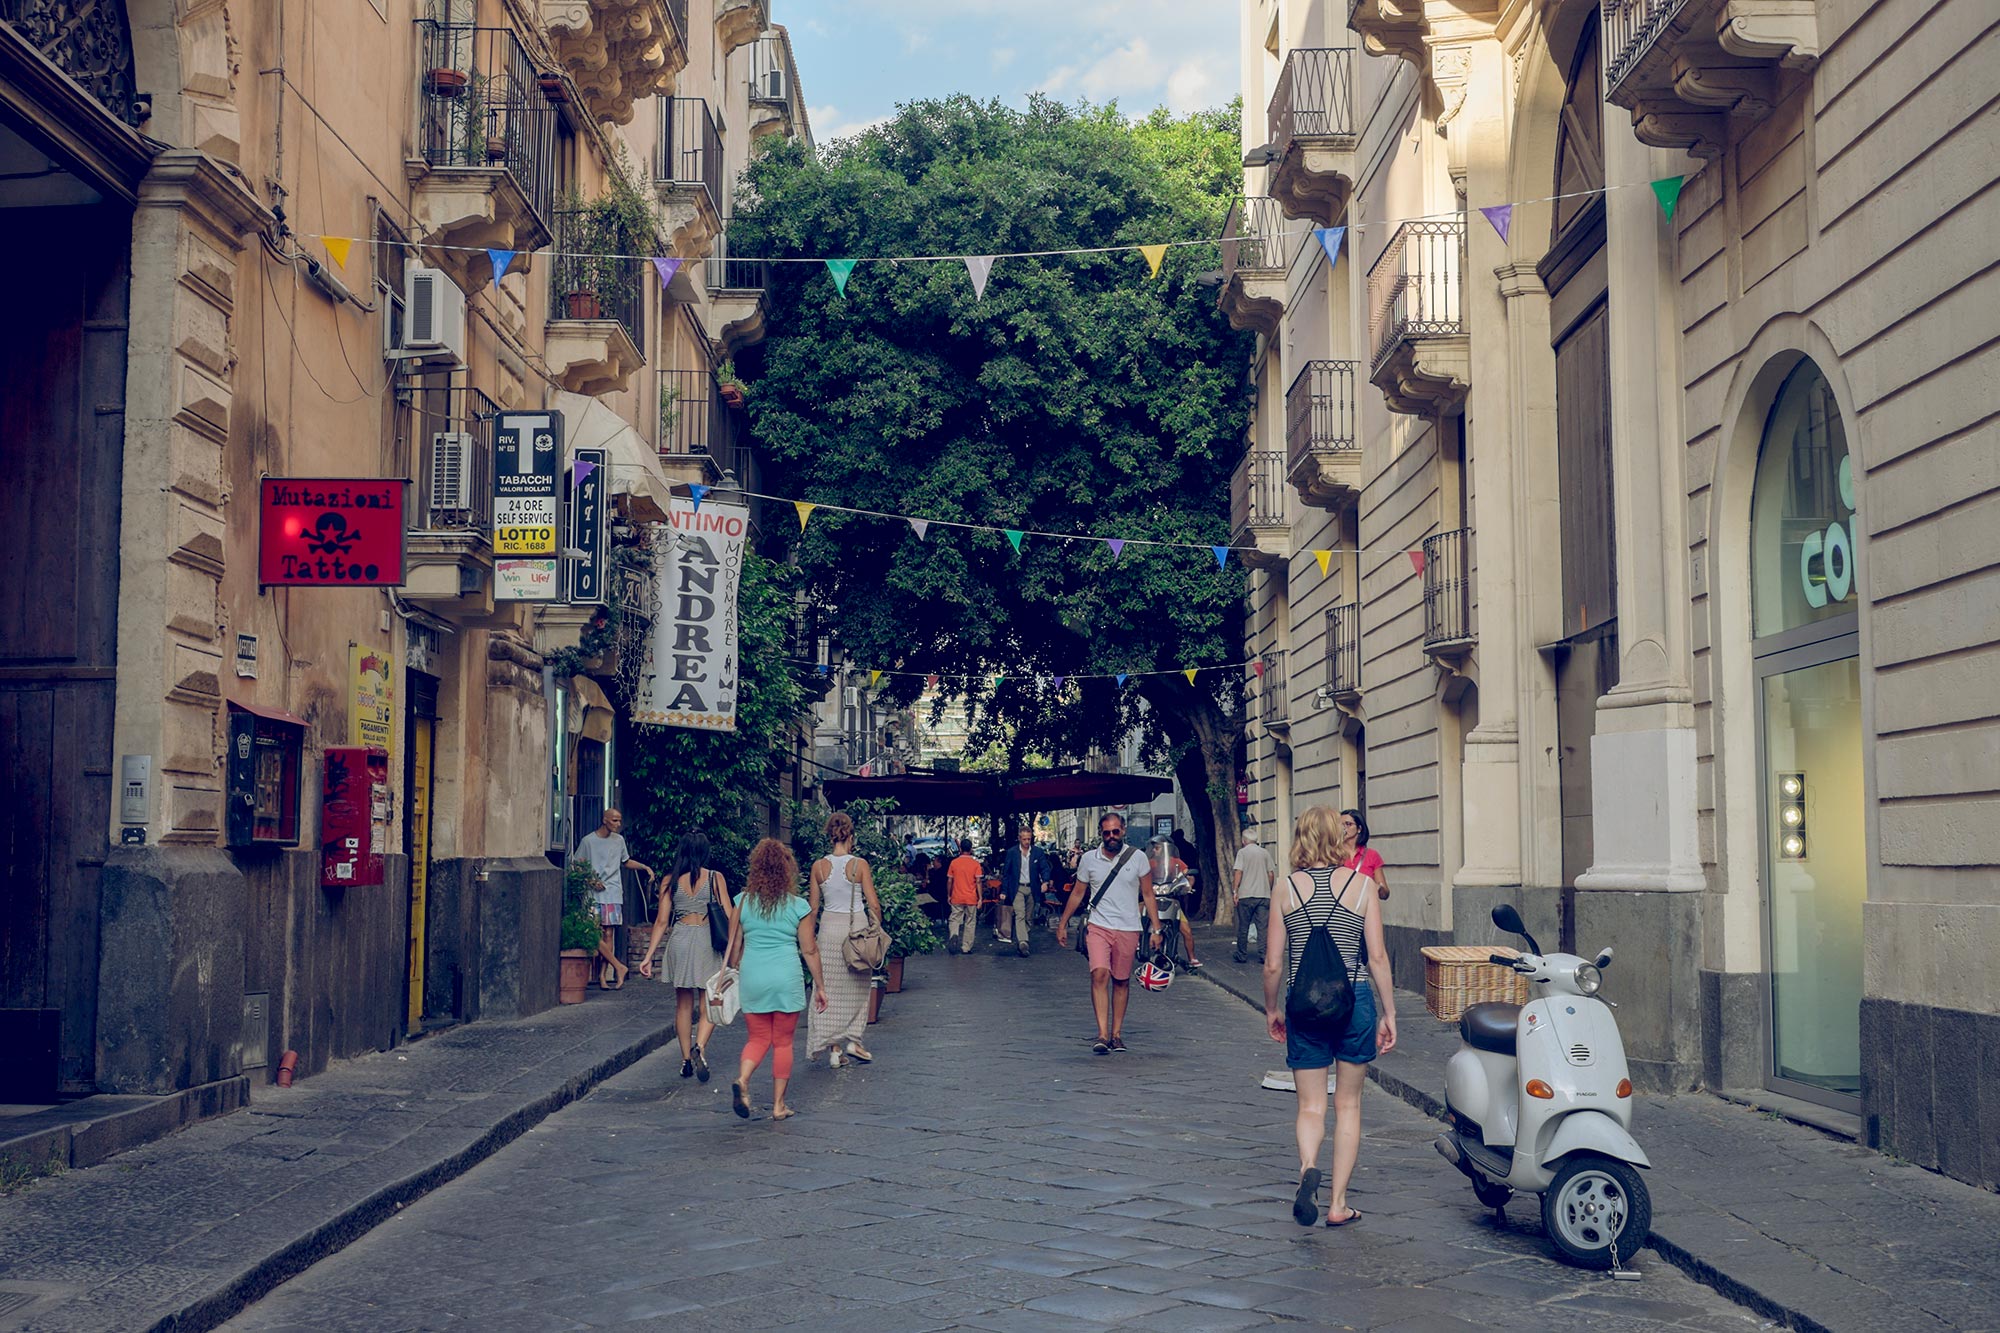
x: 1802, y: 556
x: 89, y: 40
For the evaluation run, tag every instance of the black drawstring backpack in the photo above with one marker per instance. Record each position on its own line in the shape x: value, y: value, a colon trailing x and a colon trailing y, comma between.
x: 1321, y: 999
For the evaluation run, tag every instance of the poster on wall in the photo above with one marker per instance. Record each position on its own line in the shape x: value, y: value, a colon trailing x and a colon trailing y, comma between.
x: 689, y: 678
x: 371, y: 719
x: 527, y: 497
x: 326, y: 532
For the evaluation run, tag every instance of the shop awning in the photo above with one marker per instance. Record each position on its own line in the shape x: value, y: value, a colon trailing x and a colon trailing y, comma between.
x: 980, y: 793
x: 635, y: 469
x: 1073, y: 791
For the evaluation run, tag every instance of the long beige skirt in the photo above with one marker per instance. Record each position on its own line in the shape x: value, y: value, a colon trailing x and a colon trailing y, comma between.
x: 846, y: 1013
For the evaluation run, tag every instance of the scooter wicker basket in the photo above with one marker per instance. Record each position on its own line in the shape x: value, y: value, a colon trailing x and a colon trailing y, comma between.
x: 1457, y: 976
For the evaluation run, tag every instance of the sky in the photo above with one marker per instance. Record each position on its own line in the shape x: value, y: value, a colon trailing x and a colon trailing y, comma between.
x: 858, y: 58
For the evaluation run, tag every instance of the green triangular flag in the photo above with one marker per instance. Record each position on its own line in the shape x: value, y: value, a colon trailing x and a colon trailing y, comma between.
x: 1014, y: 536
x: 840, y: 268
x: 1668, y: 191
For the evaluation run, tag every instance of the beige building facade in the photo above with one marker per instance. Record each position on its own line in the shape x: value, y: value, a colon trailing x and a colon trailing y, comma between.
x: 1657, y: 599
x: 288, y: 241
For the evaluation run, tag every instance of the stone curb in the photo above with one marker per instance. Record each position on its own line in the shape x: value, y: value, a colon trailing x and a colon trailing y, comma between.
x: 268, y: 1271
x: 1694, y: 1266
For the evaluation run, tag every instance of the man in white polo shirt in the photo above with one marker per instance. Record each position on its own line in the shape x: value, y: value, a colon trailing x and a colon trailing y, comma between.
x: 1116, y: 882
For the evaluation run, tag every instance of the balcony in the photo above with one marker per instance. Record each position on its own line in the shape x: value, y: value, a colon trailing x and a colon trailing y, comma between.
x: 1449, y: 628
x: 1322, y: 446
x: 1416, y: 318
x: 1686, y: 68
x: 698, y: 436
x: 773, y: 80
x: 737, y: 22
x: 596, y: 302
x: 734, y: 314
x: 618, y: 52
x: 1275, y: 701
x: 448, y: 554
x: 1312, y: 129
x: 1391, y: 28
x: 1254, y: 258
x: 486, y: 135
x: 689, y: 174
x: 1260, y: 527
x: 1343, y: 652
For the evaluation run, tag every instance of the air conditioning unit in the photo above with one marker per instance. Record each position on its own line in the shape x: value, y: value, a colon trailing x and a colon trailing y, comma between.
x: 434, y: 317
x: 774, y: 85
x: 451, y: 472
x: 850, y: 697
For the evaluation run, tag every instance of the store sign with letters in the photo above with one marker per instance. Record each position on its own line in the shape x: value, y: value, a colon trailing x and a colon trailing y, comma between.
x: 373, y: 719
x: 518, y: 580
x: 586, y: 563
x: 330, y: 532
x: 689, y: 678
x: 527, y: 496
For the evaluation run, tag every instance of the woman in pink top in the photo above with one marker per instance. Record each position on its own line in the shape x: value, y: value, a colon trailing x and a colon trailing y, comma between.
x: 1363, y: 860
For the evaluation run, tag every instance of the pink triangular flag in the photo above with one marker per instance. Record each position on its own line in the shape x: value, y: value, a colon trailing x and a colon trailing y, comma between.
x: 1258, y: 667
x: 1416, y: 560
x: 1501, y: 216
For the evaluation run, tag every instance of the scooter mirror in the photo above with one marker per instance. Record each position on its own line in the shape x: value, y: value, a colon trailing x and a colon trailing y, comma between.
x: 1509, y: 920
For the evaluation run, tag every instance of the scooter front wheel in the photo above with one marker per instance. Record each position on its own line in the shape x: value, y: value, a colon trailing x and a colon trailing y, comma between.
x: 1596, y: 1203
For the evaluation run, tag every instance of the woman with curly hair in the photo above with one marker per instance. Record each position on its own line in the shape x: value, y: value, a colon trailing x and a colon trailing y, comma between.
x: 841, y: 896
x: 772, y: 932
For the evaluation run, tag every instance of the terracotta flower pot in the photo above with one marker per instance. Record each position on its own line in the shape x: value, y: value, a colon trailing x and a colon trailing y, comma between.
x: 894, y: 967
x: 445, y: 82
x: 574, y: 981
x: 732, y: 394
x: 496, y: 148
x: 874, y: 1004
x: 583, y: 305
x: 553, y: 87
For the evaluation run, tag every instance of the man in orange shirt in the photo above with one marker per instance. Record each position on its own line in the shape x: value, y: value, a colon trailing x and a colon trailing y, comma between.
x: 963, y: 876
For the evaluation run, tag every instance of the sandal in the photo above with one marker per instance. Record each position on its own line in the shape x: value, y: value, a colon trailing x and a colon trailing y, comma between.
x: 785, y: 1114
x: 1100, y: 1047
x: 1353, y: 1216
x: 1304, y: 1210
x: 739, y: 1100
x: 855, y: 1051
x: 700, y: 1066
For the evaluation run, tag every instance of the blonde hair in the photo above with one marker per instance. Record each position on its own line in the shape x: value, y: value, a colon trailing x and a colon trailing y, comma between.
x: 1317, y: 840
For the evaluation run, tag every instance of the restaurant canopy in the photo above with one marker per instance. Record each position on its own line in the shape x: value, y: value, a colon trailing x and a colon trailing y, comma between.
x: 997, y: 793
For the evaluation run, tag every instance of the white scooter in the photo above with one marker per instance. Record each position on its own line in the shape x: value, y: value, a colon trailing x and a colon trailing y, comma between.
x: 1539, y: 1100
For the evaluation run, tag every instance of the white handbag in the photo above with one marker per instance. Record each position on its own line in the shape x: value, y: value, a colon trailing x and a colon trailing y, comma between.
x: 723, y: 1001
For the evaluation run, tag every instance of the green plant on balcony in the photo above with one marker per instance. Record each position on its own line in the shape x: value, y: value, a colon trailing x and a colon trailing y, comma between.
x: 733, y: 389
x: 603, y: 239
x: 670, y: 412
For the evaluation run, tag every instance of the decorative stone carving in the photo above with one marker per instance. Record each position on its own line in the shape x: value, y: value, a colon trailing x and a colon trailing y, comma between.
x: 591, y: 356
x: 1692, y: 75
x: 737, y: 22
x: 618, y: 52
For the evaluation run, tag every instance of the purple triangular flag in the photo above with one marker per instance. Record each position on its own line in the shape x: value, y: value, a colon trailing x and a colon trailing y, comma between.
x: 1501, y: 216
x: 1329, y: 241
x: 501, y: 259
x: 1117, y: 545
x: 1221, y: 555
x: 697, y: 490
x: 668, y: 266
x: 1060, y: 680
x: 920, y: 526
x: 581, y: 469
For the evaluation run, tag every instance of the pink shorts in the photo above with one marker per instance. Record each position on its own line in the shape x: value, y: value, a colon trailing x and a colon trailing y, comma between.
x: 1113, y: 950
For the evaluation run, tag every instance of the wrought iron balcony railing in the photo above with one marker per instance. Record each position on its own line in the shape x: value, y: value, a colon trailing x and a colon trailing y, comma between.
x: 736, y: 275
x: 1319, y: 410
x: 1417, y: 287
x: 481, y: 106
x: 1630, y: 29
x: 1448, y: 590
x: 1276, y: 703
x: 694, y: 420
x: 677, y: 12
x: 454, y: 465
x: 1343, y: 649
x: 599, y: 271
x: 691, y: 147
x: 1254, y: 236
x: 1315, y: 97
x: 1257, y: 492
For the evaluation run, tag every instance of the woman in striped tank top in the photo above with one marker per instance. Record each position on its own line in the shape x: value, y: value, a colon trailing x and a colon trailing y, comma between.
x: 1322, y: 891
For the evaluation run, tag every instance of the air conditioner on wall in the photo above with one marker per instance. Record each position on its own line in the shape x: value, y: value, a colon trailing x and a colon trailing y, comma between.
x: 451, y: 472
x: 774, y: 85
x: 433, y: 317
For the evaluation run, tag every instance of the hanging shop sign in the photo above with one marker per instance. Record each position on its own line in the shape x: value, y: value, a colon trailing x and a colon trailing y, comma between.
x: 689, y: 678
x: 371, y: 720
x: 330, y: 532
x: 526, y: 579
x: 586, y: 562
x: 527, y: 495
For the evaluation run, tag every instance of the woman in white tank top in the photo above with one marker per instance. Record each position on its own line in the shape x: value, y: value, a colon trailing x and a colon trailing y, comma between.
x: 842, y: 899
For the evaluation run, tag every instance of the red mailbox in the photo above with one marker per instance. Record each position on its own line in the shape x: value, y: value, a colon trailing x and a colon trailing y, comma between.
x: 353, y: 817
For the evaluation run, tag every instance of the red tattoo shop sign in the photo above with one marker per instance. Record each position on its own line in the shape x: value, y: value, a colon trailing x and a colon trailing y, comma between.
x: 330, y: 532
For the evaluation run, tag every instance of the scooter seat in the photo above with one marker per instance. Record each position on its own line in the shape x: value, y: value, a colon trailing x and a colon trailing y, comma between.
x: 1490, y: 1027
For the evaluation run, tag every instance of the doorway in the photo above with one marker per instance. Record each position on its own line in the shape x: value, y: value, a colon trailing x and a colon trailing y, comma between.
x: 421, y: 725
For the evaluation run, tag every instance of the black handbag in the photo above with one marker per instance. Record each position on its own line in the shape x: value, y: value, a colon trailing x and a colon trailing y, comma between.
x: 718, y: 918
x: 1083, y: 917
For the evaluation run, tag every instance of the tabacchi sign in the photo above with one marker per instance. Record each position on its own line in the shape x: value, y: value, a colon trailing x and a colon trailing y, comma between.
x: 330, y: 531
x: 690, y: 674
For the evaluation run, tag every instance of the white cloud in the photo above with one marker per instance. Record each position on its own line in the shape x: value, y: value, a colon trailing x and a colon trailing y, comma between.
x: 1002, y: 57
x: 1190, y: 88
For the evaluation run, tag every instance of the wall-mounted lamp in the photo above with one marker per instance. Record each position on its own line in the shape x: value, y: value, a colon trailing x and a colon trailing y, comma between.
x: 1791, y: 796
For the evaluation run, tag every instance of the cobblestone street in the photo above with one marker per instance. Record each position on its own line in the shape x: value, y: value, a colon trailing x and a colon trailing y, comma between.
x: 986, y: 1172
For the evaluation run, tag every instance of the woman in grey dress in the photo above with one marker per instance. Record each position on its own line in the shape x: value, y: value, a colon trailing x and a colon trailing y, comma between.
x: 841, y: 896
x: 690, y: 960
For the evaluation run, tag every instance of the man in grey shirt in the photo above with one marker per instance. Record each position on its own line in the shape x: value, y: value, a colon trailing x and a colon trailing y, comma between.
x: 1254, y: 872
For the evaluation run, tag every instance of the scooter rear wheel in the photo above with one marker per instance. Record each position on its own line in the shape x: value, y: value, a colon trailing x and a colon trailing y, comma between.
x: 1593, y: 1204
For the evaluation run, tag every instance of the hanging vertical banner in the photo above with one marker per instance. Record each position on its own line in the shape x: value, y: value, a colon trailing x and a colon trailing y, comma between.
x: 586, y: 564
x: 372, y: 719
x: 689, y: 678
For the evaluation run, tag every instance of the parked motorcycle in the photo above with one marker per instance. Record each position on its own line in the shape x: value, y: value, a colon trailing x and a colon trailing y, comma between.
x: 1539, y: 1101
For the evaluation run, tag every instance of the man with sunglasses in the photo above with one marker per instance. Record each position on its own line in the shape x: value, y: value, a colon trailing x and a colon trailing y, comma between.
x: 1117, y: 883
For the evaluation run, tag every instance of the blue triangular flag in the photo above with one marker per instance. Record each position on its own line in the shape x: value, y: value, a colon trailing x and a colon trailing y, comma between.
x: 501, y: 259
x: 1221, y: 555
x: 1121, y: 678
x: 1329, y: 240
x: 696, y: 490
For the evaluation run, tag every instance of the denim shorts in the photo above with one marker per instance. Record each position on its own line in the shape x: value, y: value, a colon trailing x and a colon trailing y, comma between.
x: 1316, y: 1050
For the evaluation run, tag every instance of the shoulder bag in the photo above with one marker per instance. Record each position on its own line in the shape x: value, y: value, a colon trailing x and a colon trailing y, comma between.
x: 718, y: 918
x: 1083, y: 917
x: 864, y: 949
x: 723, y: 1000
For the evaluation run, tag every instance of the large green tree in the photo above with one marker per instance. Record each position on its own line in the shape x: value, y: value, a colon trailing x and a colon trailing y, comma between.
x: 1081, y: 396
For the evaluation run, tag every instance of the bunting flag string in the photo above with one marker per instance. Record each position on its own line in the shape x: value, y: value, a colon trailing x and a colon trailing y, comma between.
x: 805, y: 512
x: 1501, y: 216
x: 501, y: 259
x: 1154, y: 254
x: 668, y: 265
x: 841, y: 269
x: 920, y: 526
x: 932, y: 679
x: 1329, y: 241
x: 337, y: 248
x: 1668, y: 191
x: 979, y: 268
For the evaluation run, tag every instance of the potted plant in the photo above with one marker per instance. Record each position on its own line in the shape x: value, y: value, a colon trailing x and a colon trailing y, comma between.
x: 910, y: 931
x: 579, y: 933
x: 553, y: 88
x: 599, y: 240
x: 729, y: 385
x: 445, y: 81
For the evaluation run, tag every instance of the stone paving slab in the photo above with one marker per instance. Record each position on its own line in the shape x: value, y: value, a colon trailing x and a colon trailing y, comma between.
x: 1810, y: 1230
x: 986, y: 1172
x: 184, y: 1232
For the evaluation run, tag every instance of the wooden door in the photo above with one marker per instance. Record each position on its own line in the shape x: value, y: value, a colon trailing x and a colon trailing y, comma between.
x: 62, y: 439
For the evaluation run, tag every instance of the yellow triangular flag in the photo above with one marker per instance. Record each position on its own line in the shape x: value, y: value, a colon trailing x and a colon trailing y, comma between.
x: 805, y: 512
x: 1154, y: 254
x: 874, y: 679
x: 1324, y: 558
x: 1189, y: 673
x: 337, y: 247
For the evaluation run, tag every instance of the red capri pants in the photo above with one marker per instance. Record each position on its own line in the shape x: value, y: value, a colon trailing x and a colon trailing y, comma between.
x: 773, y: 1033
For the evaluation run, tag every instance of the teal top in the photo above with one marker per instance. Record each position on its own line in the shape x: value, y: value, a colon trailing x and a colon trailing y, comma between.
x: 772, y: 975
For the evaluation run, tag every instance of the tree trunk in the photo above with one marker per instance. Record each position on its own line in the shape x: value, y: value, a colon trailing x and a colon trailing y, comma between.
x: 1200, y: 726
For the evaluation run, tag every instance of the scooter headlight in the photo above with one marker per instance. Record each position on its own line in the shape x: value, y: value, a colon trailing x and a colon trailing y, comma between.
x: 1588, y: 978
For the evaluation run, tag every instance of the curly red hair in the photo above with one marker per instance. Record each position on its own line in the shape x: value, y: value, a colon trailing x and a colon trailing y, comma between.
x: 774, y: 873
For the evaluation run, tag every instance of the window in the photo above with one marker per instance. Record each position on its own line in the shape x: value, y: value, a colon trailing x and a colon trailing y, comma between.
x: 1802, y: 556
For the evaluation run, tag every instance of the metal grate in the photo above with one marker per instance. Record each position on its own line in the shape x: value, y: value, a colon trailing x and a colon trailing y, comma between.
x: 1579, y: 1055
x: 257, y: 1030
x: 1447, y: 588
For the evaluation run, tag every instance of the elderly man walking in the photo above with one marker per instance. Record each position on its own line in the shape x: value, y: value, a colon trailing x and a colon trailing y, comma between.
x: 605, y: 852
x: 1254, y: 873
x: 1118, y: 881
